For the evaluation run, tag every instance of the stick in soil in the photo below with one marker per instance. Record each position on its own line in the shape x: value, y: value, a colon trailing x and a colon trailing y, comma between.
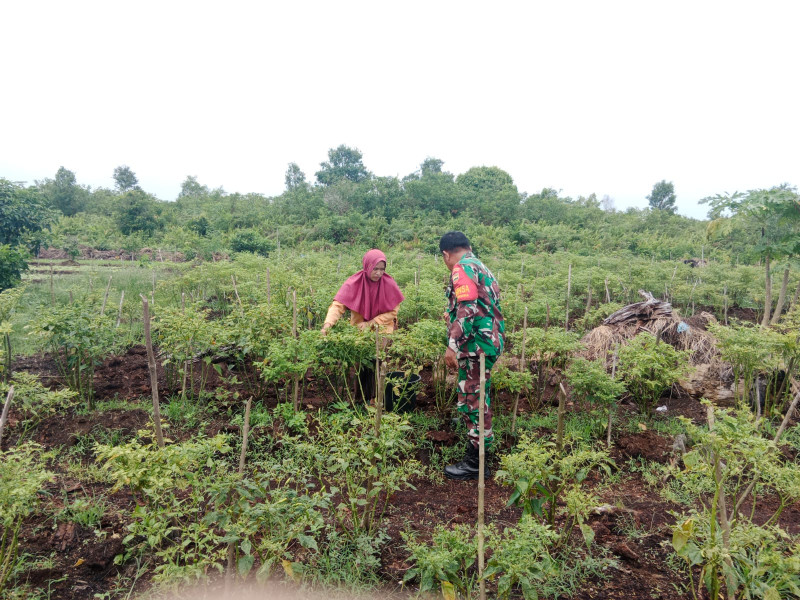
x: 105, y: 298
x: 52, y: 293
x: 235, y: 290
x: 523, y: 368
x: 3, y: 418
x: 612, y: 405
x: 119, y: 312
x: 562, y: 400
x: 569, y: 286
x: 151, y: 363
x: 481, y: 476
x: 230, y: 573
x: 295, y: 378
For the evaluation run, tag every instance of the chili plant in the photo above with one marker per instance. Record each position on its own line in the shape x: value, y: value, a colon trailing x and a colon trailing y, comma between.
x: 78, y: 336
x: 544, y: 479
x: 549, y: 349
x: 649, y: 367
x: 445, y: 562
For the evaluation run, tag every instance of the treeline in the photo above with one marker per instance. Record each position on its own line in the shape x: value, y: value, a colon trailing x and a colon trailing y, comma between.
x: 347, y: 204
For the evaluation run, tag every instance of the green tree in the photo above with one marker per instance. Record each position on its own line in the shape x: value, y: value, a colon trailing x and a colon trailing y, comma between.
x: 190, y: 188
x: 343, y: 163
x: 491, y: 194
x: 295, y: 178
x: 138, y: 212
x: 64, y: 193
x: 663, y: 196
x: 431, y: 165
x: 771, y: 220
x: 23, y: 212
x: 125, y: 179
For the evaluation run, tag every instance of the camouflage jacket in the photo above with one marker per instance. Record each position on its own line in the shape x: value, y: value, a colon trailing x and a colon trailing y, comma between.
x: 476, y: 323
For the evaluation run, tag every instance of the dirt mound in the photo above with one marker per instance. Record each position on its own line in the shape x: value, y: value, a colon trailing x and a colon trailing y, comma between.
x: 647, y: 444
x: 67, y: 430
x: 125, y: 375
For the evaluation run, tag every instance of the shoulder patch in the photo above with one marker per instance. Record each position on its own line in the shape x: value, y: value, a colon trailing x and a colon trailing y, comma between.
x: 463, y: 286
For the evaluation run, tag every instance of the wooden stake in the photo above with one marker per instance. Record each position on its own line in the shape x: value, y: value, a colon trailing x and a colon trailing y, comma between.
x: 725, y: 303
x: 52, y: 293
x: 269, y: 288
x: 4, y: 416
x: 608, y: 294
x: 105, y: 298
x: 611, y: 407
x: 235, y: 290
x: 562, y: 400
x: 481, y: 476
x: 296, y: 378
x: 245, y: 435
x: 151, y: 363
x: 119, y: 312
x: 569, y: 286
x: 523, y: 368
x: 588, y: 298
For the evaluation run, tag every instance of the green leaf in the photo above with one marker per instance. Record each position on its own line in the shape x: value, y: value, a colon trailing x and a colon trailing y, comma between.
x: 244, y: 564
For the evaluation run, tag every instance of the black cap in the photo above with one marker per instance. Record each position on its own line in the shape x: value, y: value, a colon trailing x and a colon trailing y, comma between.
x: 453, y: 240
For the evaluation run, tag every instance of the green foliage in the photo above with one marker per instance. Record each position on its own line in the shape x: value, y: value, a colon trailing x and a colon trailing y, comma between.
x: 663, y: 196
x: 21, y: 478
x: 548, y: 349
x: 731, y: 549
x: 445, y: 562
x: 545, y: 479
x: 344, y: 163
x: 34, y: 401
x: 78, y: 336
x: 649, y: 367
x: 366, y: 468
x: 592, y: 383
x: 12, y: 264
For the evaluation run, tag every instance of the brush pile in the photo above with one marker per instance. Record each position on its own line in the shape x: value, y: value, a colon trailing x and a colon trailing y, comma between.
x: 711, y: 378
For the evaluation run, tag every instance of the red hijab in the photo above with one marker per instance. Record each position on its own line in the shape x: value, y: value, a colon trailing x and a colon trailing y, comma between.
x: 366, y: 297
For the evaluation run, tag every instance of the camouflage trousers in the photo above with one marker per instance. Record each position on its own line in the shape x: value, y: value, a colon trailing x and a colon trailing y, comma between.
x: 469, y: 383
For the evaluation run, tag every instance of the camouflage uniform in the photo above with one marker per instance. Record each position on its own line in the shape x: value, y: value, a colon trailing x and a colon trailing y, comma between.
x: 476, y: 327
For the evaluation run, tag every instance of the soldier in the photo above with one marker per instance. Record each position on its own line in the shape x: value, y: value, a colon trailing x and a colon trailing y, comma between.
x: 475, y: 327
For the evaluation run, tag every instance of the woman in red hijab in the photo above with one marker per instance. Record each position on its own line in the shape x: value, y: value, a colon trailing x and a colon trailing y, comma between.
x: 371, y: 295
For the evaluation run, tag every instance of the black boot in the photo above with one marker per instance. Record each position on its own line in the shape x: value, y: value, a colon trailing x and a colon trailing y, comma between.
x: 466, y: 469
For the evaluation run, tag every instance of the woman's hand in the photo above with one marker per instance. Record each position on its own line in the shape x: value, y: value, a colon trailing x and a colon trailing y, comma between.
x: 324, y: 330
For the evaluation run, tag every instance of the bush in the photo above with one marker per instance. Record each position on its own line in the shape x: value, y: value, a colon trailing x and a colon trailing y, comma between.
x: 12, y: 265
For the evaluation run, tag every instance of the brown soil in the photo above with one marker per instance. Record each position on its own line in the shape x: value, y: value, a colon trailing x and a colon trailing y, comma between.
x: 83, y: 560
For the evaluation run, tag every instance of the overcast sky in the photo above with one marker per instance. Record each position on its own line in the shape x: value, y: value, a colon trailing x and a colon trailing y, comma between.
x: 584, y: 97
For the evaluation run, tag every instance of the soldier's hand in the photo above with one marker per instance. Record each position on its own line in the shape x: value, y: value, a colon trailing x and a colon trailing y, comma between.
x: 450, y: 359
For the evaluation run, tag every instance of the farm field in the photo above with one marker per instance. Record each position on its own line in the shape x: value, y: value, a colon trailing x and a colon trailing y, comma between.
x: 333, y: 496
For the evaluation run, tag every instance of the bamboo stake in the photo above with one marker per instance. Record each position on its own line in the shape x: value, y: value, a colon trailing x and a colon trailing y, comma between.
x: 725, y: 303
x: 245, y: 435
x: 562, y: 400
x: 608, y: 294
x: 154, y: 283
x: 230, y: 573
x: 569, y: 286
x: 588, y: 298
x: 236, y: 290
x: 105, y: 298
x: 151, y: 364
x: 52, y: 293
x: 611, y: 408
x: 380, y: 378
x: 523, y: 368
x: 119, y: 312
x: 547, y: 315
x: 6, y: 407
x: 295, y: 378
x: 481, y: 476
x: 269, y: 288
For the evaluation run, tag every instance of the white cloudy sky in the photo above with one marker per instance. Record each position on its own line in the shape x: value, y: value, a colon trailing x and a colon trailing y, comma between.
x: 584, y: 97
